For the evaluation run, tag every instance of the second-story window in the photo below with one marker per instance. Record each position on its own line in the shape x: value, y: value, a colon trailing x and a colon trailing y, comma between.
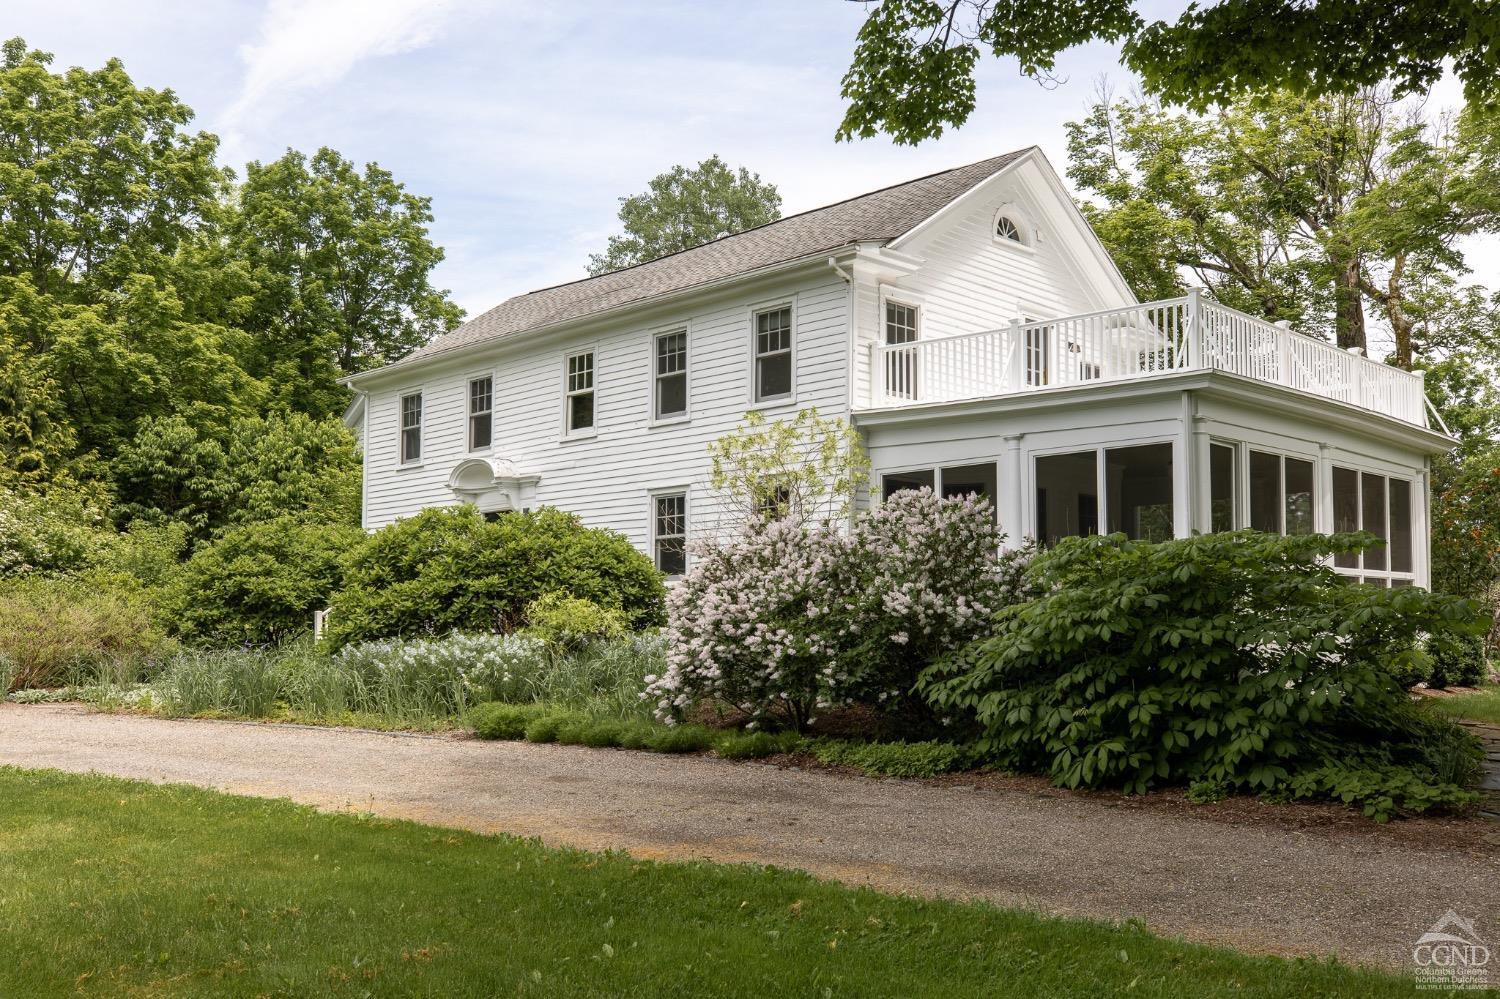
x: 671, y: 374
x: 901, y: 365
x: 481, y: 412
x: 773, y: 354
x: 411, y: 428
x: 580, y: 392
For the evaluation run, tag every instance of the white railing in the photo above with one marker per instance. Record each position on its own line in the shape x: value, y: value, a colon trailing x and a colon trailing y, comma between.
x: 1139, y: 341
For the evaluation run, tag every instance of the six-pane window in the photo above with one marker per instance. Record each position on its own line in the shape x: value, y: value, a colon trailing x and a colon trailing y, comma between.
x: 669, y: 533
x: 671, y: 374
x: 481, y: 412
x: 773, y: 354
x: 580, y: 392
x: 901, y: 366
x: 411, y: 428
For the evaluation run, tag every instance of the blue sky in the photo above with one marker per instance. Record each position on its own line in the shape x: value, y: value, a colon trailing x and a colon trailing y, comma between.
x: 526, y: 122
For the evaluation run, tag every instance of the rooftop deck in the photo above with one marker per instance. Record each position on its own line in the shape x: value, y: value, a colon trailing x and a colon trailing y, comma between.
x: 1141, y: 341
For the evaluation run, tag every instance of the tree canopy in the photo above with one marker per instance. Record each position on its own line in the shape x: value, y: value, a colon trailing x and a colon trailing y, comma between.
x: 685, y: 207
x: 156, y: 313
x: 912, y: 72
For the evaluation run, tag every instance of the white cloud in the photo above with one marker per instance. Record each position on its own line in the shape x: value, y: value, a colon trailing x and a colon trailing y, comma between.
x: 307, y: 44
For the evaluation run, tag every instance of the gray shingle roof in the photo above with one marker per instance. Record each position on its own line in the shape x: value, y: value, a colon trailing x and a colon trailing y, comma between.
x: 878, y: 216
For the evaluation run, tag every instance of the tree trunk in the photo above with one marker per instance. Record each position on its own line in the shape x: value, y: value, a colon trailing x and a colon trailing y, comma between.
x: 1349, y: 307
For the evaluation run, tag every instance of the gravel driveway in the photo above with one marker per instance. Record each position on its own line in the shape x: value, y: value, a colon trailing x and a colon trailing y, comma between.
x: 1266, y: 888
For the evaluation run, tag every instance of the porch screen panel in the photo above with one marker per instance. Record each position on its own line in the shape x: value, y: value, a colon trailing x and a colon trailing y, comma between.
x: 1221, y: 487
x: 1345, y: 511
x: 1067, y: 496
x: 1299, y: 496
x: 1401, y: 529
x: 971, y: 480
x: 897, y: 481
x: 1265, y: 492
x: 1140, y: 491
x: 1372, y: 508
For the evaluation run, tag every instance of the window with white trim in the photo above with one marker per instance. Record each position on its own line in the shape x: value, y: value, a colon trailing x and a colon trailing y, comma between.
x: 1007, y: 228
x: 411, y: 428
x: 580, y: 392
x: 901, y: 365
x: 1282, y: 494
x: 669, y: 532
x: 1381, y: 505
x: 1038, y: 355
x: 481, y: 412
x: 670, y: 372
x: 773, y: 354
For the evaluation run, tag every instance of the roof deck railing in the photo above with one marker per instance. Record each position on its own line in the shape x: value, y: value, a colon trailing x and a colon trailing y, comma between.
x: 1139, y: 341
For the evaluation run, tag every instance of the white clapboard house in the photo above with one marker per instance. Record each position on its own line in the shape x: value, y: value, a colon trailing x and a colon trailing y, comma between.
x: 976, y: 332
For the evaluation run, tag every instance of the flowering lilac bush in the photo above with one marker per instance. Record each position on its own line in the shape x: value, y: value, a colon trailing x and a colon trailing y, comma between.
x: 790, y: 617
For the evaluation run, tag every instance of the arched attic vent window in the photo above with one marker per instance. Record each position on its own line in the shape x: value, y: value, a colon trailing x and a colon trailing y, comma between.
x: 1007, y: 228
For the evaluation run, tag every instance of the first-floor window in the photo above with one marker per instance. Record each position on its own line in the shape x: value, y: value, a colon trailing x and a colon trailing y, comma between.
x: 1221, y: 480
x: 1281, y: 494
x: 1381, y: 505
x: 1067, y: 496
x: 411, y: 428
x: 669, y: 532
x: 1139, y: 501
x: 481, y: 412
x: 580, y: 391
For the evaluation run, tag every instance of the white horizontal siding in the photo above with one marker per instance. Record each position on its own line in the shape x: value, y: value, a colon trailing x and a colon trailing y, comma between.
x: 606, y: 479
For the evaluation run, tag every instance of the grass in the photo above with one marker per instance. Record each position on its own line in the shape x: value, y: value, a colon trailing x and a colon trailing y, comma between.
x: 1482, y: 706
x: 111, y: 887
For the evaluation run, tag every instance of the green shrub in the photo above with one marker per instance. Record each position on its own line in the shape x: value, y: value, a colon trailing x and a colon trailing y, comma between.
x: 1239, y: 658
x: 496, y: 720
x: 1458, y: 661
x: 546, y: 727
x: 570, y: 623
x: 52, y: 627
x: 754, y: 745
x: 259, y: 584
x: 449, y: 570
x: 680, y: 739
x: 893, y: 759
x: 601, y: 733
x: 61, y: 531
x: 638, y: 735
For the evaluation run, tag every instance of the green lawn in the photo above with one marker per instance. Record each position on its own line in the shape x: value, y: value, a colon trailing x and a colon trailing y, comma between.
x: 112, y: 887
x: 1483, y: 706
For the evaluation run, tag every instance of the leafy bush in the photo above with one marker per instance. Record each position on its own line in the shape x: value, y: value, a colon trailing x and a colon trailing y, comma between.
x: 450, y: 570
x: 789, y: 618
x: 569, y: 623
x: 894, y: 759
x: 55, y: 533
x: 51, y: 627
x: 1458, y: 660
x: 259, y: 584
x: 1239, y: 659
x: 680, y: 739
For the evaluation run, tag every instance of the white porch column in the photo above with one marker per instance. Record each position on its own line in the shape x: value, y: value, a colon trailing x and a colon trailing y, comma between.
x: 1185, y: 481
x: 1011, y: 486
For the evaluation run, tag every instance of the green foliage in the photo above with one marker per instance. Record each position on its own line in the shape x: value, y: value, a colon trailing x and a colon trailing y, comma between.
x: 913, y: 67
x: 1238, y: 658
x: 569, y: 623
x: 680, y: 739
x: 1458, y: 660
x: 894, y: 759
x: 255, y: 469
x: 259, y: 584
x: 1466, y: 523
x: 339, y: 263
x: 1311, y: 211
x: 449, y: 570
x: 685, y: 207
x: 754, y: 745
x: 808, y: 469
x: 497, y: 720
x: 57, y: 532
x: 50, y: 628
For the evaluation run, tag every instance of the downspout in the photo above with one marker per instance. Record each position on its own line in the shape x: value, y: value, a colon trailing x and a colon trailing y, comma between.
x: 849, y: 345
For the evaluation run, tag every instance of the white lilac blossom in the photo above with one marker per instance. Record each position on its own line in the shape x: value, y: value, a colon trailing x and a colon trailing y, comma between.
x: 791, y: 617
